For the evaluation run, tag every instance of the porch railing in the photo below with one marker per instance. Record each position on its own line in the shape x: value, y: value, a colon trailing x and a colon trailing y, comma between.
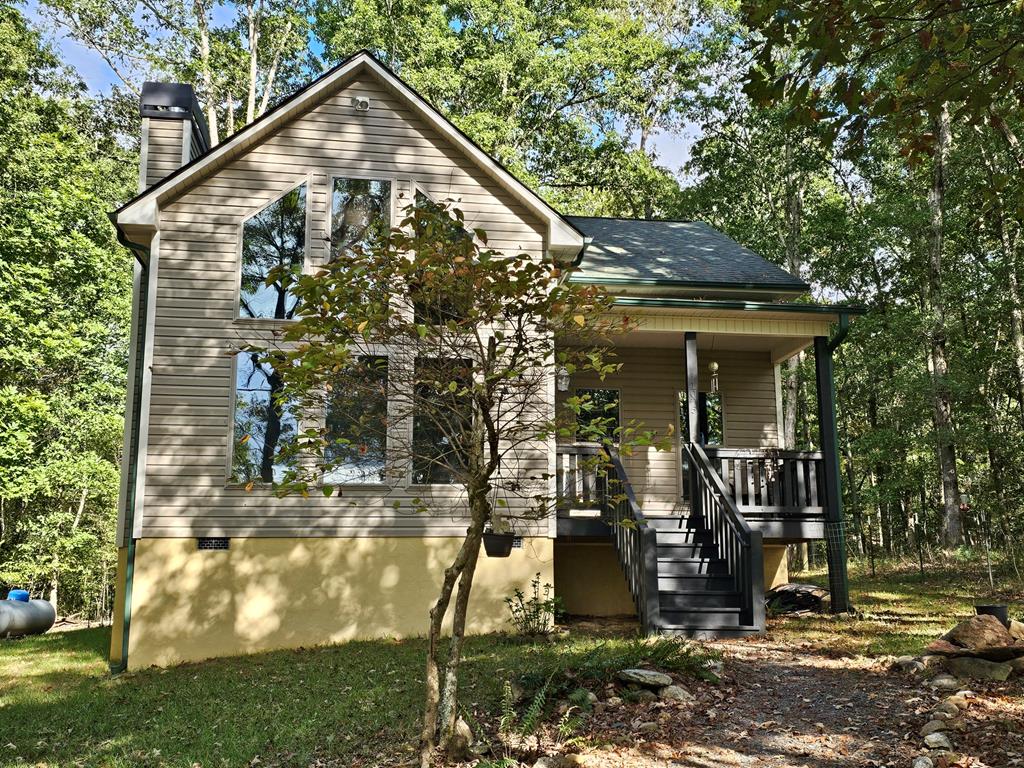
x: 636, y: 543
x: 765, y: 482
x: 737, y: 543
x: 580, y: 483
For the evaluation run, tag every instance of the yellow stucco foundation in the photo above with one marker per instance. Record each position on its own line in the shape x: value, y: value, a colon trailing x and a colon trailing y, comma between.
x: 117, y: 626
x: 776, y: 566
x: 589, y: 581
x: 268, y: 593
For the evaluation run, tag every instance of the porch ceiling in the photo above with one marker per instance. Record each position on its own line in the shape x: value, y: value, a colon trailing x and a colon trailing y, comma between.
x: 780, y: 347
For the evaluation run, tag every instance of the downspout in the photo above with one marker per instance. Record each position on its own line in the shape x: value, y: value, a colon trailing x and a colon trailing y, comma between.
x: 840, y: 335
x: 141, y: 253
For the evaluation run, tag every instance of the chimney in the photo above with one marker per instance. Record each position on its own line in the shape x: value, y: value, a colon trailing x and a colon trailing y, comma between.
x: 174, y: 132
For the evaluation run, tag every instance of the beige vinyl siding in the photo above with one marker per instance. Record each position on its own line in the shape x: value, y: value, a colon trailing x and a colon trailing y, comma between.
x: 196, y: 306
x: 649, y: 382
x: 163, y: 148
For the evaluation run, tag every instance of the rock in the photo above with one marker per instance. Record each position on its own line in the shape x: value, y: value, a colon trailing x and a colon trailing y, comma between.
x: 676, y: 693
x: 944, y: 682
x: 460, y: 742
x: 932, y: 660
x: 946, y: 709
x: 591, y: 697
x: 645, y: 695
x: 549, y: 761
x: 922, y: 762
x: 1017, y: 665
x: 908, y: 664
x: 978, y: 669
x: 961, y: 700
x: 943, y: 648
x: 1016, y: 630
x: 647, y: 727
x: 938, y: 741
x: 979, y: 632
x: 583, y: 761
x: 645, y: 677
x: 933, y: 726
x: 613, y: 701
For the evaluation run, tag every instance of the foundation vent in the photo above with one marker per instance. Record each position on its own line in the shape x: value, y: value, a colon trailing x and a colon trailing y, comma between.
x: 216, y: 542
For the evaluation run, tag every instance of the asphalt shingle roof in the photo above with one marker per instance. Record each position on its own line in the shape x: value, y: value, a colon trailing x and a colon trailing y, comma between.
x: 680, y: 252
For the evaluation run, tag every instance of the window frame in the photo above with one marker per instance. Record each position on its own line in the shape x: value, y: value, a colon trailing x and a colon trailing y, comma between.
x: 270, y: 322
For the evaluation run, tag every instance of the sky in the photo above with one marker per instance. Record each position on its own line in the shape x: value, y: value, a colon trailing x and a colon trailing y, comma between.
x: 673, y: 149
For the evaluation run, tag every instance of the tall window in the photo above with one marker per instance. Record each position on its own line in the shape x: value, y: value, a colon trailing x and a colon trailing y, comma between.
x: 357, y: 422
x: 598, y: 419
x: 442, y: 421
x: 263, y: 425
x: 437, y: 306
x: 275, y: 238
x: 360, y: 213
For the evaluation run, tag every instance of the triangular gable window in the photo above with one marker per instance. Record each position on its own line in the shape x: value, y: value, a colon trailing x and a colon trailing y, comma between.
x: 273, y: 238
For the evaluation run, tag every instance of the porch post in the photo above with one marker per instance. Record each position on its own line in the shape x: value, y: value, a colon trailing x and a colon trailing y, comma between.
x: 692, y: 417
x: 835, y: 537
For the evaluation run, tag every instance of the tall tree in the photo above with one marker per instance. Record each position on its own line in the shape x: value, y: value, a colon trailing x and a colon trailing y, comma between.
x: 65, y: 289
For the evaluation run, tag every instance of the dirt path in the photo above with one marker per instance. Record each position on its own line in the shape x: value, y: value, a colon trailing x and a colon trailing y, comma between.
x: 780, y: 706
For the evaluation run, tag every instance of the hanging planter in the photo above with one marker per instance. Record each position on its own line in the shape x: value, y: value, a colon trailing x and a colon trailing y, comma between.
x: 498, y: 544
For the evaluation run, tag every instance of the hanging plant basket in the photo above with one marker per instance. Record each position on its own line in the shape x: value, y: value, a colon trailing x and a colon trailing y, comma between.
x: 498, y: 544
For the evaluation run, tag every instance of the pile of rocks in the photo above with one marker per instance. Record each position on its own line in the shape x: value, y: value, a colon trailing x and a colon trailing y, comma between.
x: 980, y: 648
x: 648, y: 685
x: 943, y: 721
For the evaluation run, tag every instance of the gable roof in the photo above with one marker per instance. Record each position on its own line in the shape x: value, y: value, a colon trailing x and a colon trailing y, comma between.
x: 140, y: 211
x: 674, y: 253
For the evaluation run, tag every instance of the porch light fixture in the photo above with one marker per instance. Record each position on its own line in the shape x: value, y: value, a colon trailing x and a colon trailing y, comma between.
x: 562, y: 379
x: 713, y: 367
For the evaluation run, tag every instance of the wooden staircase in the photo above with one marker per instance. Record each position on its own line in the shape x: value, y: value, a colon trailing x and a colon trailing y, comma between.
x: 699, y: 574
x: 697, y: 594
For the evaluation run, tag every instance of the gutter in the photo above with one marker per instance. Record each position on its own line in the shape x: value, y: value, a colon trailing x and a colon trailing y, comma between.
x: 843, y: 311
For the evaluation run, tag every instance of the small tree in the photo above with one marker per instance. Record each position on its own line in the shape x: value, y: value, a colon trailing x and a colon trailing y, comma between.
x: 422, y: 356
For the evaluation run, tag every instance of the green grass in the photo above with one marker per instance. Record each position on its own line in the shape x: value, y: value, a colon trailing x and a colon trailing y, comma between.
x: 899, y: 610
x: 353, y: 704
x: 357, y: 704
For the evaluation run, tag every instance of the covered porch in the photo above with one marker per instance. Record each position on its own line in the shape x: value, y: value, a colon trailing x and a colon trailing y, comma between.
x: 708, y: 374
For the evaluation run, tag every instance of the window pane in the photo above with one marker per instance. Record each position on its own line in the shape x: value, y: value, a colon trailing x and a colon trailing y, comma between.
x: 262, y: 426
x: 360, y: 213
x: 274, y: 237
x: 437, y: 307
x: 709, y: 418
x: 598, y: 419
x: 442, y: 425
x: 357, y: 424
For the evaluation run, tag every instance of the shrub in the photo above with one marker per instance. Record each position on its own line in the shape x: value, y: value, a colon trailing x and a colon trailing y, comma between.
x: 534, y: 616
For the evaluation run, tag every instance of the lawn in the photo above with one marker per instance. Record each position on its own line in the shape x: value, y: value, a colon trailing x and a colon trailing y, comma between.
x: 898, y: 610
x: 358, y: 703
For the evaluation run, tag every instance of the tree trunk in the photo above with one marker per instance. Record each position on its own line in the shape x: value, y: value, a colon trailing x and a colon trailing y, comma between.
x: 205, y: 68
x: 952, y: 531
x: 432, y: 701
x: 449, y: 709
x: 251, y: 8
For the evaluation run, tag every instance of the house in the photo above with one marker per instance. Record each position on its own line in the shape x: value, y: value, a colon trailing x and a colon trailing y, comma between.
x: 212, y: 563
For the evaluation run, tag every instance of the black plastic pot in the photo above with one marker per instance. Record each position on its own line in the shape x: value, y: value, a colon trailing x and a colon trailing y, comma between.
x: 498, y: 544
x: 1001, y: 612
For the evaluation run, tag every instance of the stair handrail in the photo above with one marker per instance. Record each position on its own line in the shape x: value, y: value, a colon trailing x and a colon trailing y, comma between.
x: 737, y: 542
x: 636, y: 543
